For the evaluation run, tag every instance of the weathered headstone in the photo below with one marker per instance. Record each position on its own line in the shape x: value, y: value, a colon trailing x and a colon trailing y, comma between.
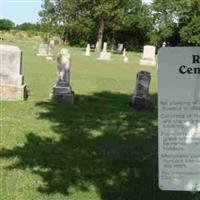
x: 104, y: 55
x: 87, y: 52
x: 148, y: 58
x: 50, y: 50
x: 179, y: 118
x: 11, y: 80
x: 62, y: 91
x: 140, y: 99
x: 120, y: 48
x: 164, y: 44
x: 43, y: 50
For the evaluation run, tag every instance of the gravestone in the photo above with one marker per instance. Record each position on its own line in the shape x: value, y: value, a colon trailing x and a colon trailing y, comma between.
x: 120, y: 48
x: 43, y: 50
x: 124, y: 52
x: 11, y: 80
x: 148, y: 58
x: 62, y: 91
x: 87, y: 52
x: 50, y: 50
x: 105, y: 45
x: 179, y: 118
x: 164, y: 44
x: 125, y: 59
x: 140, y: 99
x: 104, y: 55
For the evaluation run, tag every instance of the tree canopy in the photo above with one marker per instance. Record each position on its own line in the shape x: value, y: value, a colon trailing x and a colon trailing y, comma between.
x: 6, y: 24
x: 93, y: 20
x: 130, y: 22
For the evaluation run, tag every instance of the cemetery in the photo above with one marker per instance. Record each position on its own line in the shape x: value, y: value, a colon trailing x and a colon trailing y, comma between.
x: 104, y: 107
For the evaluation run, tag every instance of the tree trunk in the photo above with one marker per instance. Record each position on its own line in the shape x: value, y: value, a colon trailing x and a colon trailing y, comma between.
x: 100, y: 36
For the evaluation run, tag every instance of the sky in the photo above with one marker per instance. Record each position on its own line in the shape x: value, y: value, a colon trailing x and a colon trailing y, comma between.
x: 20, y: 11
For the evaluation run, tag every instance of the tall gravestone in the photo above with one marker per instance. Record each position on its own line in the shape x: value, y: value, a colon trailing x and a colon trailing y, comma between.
x: 87, y: 52
x: 179, y: 118
x: 11, y: 80
x: 140, y: 99
x: 62, y: 91
x: 148, y: 58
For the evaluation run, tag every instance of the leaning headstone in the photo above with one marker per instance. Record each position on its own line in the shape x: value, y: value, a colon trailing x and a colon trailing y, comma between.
x: 11, y: 80
x: 104, y: 55
x: 87, y: 52
x: 140, y: 99
x: 120, y: 48
x: 148, y: 58
x: 62, y: 91
x: 43, y: 50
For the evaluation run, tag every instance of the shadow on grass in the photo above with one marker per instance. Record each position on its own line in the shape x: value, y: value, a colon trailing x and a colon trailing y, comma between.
x: 102, y: 142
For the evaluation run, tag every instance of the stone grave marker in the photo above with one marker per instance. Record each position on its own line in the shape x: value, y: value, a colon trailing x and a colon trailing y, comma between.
x: 140, y: 99
x: 43, y: 50
x: 62, y: 91
x: 164, y: 44
x: 104, y: 55
x: 11, y: 80
x: 50, y: 50
x: 120, y: 48
x: 87, y: 52
x: 179, y: 118
x: 125, y: 59
x: 148, y: 58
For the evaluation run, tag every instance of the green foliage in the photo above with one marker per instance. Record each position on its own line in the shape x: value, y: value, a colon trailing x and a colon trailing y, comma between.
x: 6, y: 24
x: 81, y: 20
x: 176, y: 22
x: 28, y: 26
x: 191, y: 33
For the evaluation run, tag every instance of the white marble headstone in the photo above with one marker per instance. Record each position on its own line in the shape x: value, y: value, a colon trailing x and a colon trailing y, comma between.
x: 105, y: 46
x: 148, y: 57
x: 87, y: 52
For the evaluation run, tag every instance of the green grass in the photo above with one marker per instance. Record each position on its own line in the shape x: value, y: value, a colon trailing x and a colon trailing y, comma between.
x: 97, y: 149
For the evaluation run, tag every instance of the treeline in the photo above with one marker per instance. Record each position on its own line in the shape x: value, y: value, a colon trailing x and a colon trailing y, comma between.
x: 120, y: 21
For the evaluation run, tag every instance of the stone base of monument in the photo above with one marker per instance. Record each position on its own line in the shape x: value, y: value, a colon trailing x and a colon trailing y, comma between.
x: 63, y: 94
x: 12, y: 92
x: 147, y: 62
x: 104, y: 55
x: 49, y: 58
x: 140, y: 103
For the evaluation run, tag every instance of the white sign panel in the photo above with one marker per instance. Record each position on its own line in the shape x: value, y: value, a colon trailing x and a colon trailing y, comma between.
x: 179, y: 118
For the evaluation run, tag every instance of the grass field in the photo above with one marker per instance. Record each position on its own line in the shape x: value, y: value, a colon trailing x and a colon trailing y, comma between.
x: 97, y: 149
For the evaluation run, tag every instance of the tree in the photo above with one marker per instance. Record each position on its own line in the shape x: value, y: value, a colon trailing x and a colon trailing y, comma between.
x: 95, y: 17
x: 27, y: 26
x: 176, y: 21
x: 6, y: 24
